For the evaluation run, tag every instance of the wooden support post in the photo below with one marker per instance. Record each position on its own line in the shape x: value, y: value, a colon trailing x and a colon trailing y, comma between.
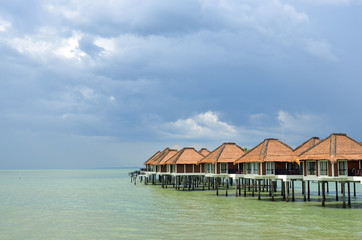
x: 343, y: 194
x: 244, y: 187
x: 323, y: 194
x: 319, y: 189
x: 293, y: 198
x: 270, y: 183
x: 237, y: 181
x: 249, y: 184
x: 304, y: 192
x: 253, y: 188
x: 184, y: 183
x: 282, y: 189
x: 240, y: 186
x: 327, y: 187
x: 217, y: 187
x: 308, y: 183
x: 354, y: 189
x: 336, y: 191
x: 276, y: 186
x: 208, y: 183
x: 272, y: 191
x: 227, y: 186
x: 203, y: 183
x: 287, y: 192
x: 259, y: 185
x: 349, y: 194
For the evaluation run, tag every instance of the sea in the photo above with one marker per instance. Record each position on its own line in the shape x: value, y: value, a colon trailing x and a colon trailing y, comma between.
x: 105, y: 204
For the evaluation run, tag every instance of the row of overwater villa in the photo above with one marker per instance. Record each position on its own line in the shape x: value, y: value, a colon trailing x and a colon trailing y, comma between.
x: 269, y: 166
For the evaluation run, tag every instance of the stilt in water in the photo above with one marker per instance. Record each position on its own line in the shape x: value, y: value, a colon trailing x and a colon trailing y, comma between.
x: 327, y: 187
x: 304, y: 192
x: 217, y: 187
x: 244, y: 187
x: 272, y: 191
x: 293, y: 198
x: 259, y: 185
x: 287, y: 192
x: 336, y: 191
x: 319, y: 189
x: 253, y: 188
x: 349, y: 194
x: 308, y: 183
x: 323, y: 194
x: 240, y: 186
x: 354, y: 189
x: 237, y: 181
x: 227, y: 186
x: 343, y: 194
x: 270, y: 183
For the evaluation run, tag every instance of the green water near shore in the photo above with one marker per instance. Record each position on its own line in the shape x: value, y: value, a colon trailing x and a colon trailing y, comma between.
x: 103, y: 204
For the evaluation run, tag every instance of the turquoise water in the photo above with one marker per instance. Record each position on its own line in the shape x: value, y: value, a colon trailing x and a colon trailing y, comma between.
x: 103, y: 204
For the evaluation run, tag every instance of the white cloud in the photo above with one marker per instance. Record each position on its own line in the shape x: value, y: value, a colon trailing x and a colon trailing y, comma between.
x: 332, y: 2
x: 292, y: 128
x: 320, y: 48
x: 203, y: 125
x: 4, y: 25
x: 300, y: 122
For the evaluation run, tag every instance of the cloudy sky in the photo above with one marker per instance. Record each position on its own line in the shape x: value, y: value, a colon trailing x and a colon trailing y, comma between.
x: 92, y: 84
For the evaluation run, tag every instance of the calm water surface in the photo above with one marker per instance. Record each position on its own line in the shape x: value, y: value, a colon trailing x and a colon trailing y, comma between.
x: 103, y: 204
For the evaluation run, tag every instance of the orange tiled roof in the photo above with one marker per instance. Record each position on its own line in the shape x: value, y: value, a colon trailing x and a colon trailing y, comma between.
x: 169, y: 155
x: 270, y: 150
x: 226, y: 153
x: 186, y: 156
x: 204, y: 151
x: 152, y: 158
x: 306, y: 145
x: 338, y: 146
x: 162, y: 155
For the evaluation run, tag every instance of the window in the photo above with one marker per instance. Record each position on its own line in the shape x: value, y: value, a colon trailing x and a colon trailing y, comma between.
x: 174, y: 168
x: 209, y: 168
x: 311, y: 168
x: 248, y: 168
x: 158, y: 168
x: 256, y: 168
x: 224, y: 168
x: 324, y: 168
x: 270, y: 168
x: 342, y: 168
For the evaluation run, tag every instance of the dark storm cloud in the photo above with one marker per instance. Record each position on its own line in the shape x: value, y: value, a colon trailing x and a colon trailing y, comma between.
x: 106, y: 74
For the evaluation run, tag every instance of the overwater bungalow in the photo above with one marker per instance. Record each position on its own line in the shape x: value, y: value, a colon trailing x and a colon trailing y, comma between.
x: 148, y: 167
x: 270, y: 160
x: 337, y: 158
x: 185, y: 169
x: 185, y: 162
x: 220, y: 162
x: 160, y: 162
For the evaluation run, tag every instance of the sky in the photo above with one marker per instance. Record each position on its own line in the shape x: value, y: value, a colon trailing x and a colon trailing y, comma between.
x: 100, y: 84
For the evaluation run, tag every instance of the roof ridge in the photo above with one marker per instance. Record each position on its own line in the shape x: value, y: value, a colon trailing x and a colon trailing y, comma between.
x: 217, y: 158
x: 266, y: 149
x: 262, y: 148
